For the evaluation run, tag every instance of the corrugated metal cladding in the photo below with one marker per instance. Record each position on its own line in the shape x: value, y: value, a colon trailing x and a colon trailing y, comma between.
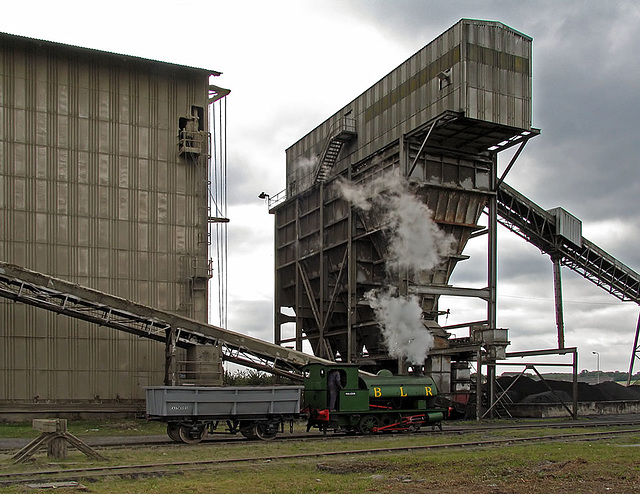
x: 92, y: 190
x: 476, y: 77
x: 486, y: 68
x: 567, y: 225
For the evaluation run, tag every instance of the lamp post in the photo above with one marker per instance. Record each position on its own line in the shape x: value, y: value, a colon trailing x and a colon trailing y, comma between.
x: 597, y: 365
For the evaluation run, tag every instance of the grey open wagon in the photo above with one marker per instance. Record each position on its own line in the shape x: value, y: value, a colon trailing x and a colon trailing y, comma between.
x: 193, y: 411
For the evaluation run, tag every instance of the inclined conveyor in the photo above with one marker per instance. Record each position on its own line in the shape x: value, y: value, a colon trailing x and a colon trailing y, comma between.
x: 63, y: 297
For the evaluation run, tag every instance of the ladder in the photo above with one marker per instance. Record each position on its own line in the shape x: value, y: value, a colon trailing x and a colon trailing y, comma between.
x: 344, y: 130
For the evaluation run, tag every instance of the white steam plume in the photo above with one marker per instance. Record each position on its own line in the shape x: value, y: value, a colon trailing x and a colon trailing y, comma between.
x: 306, y: 165
x: 415, y: 242
x: 301, y: 173
x: 400, y: 320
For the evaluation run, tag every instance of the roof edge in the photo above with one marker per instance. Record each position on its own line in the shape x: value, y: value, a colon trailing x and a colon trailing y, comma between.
x: 39, y: 41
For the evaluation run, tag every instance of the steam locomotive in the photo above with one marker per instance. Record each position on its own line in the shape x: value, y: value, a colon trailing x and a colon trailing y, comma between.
x: 333, y: 397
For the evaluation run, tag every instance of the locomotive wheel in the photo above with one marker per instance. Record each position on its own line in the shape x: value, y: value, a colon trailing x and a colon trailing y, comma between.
x: 367, y: 424
x: 173, y: 431
x: 261, y: 431
x: 189, y: 435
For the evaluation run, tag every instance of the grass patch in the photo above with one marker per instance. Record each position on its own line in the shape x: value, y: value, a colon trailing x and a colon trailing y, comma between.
x: 594, y: 466
x: 85, y: 428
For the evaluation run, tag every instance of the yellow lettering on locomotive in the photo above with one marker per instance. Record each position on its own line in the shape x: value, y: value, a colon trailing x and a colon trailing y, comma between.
x: 377, y: 392
x: 402, y: 393
x: 427, y: 391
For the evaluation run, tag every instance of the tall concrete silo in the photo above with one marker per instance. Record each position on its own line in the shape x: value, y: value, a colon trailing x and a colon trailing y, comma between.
x: 437, y: 121
x: 103, y: 180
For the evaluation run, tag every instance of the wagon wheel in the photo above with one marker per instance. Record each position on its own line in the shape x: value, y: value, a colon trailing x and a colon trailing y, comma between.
x: 248, y: 433
x: 262, y: 431
x: 367, y: 424
x: 247, y: 430
x: 172, y: 431
x: 191, y: 435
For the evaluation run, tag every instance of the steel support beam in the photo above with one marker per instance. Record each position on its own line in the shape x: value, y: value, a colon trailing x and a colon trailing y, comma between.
x: 557, y: 290
x: 635, y: 353
x: 452, y: 291
x: 424, y: 142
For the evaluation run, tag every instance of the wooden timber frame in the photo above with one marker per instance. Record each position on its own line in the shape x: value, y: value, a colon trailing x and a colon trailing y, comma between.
x: 55, y: 437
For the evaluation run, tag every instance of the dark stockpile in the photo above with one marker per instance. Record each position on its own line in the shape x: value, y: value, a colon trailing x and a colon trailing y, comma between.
x: 527, y: 390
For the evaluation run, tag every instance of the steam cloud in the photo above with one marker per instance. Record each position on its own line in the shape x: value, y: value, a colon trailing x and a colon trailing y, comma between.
x: 400, y: 319
x: 303, y: 170
x: 415, y: 244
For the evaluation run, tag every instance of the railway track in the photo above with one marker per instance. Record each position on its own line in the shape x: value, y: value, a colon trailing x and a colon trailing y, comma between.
x: 446, y: 430
x: 143, y: 442
x: 175, y: 467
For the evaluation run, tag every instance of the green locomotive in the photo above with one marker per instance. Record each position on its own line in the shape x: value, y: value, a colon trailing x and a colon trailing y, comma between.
x: 338, y: 397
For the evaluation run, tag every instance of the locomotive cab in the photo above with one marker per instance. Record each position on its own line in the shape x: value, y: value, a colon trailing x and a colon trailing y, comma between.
x: 323, y: 383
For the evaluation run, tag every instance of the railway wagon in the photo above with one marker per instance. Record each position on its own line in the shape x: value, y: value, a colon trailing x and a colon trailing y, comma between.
x: 339, y: 397
x: 193, y: 411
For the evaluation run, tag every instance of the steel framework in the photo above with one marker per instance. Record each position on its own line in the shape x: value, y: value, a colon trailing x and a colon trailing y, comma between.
x: 62, y: 297
x: 540, y: 228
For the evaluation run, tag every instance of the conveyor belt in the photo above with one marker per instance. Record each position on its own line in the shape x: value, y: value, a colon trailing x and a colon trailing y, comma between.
x: 528, y: 220
x: 32, y: 288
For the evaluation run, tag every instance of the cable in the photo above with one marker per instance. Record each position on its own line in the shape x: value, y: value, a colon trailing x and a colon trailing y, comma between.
x: 218, y: 203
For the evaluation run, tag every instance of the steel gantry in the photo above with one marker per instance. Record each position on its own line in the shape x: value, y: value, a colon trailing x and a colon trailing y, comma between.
x: 544, y: 230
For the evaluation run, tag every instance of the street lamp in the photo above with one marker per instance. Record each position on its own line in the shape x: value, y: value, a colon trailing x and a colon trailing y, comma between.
x: 597, y: 365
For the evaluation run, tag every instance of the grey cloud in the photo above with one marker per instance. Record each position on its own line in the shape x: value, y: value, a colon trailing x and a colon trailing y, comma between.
x: 585, y: 100
x: 252, y: 317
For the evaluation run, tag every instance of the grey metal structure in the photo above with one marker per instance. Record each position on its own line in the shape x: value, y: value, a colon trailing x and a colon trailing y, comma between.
x: 559, y: 234
x: 174, y: 332
x: 103, y: 182
x: 545, y: 230
x: 438, y: 121
x: 255, y: 412
x: 228, y: 402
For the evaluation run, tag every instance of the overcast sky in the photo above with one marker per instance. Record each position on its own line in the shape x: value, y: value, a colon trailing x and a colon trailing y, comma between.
x: 292, y: 64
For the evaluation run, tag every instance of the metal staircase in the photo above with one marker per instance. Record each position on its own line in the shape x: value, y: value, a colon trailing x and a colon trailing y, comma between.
x: 539, y: 227
x: 344, y: 131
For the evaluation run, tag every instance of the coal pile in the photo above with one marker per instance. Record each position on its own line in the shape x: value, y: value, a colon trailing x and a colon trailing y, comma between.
x: 527, y: 390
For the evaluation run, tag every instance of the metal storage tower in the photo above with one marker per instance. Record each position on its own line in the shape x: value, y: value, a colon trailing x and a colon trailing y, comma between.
x: 438, y: 121
x: 103, y: 182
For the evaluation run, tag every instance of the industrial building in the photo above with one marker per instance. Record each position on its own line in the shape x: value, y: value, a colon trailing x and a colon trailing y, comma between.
x: 104, y: 173
x: 105, y: 178
x: 436, y: 124
x: 437, y: 121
